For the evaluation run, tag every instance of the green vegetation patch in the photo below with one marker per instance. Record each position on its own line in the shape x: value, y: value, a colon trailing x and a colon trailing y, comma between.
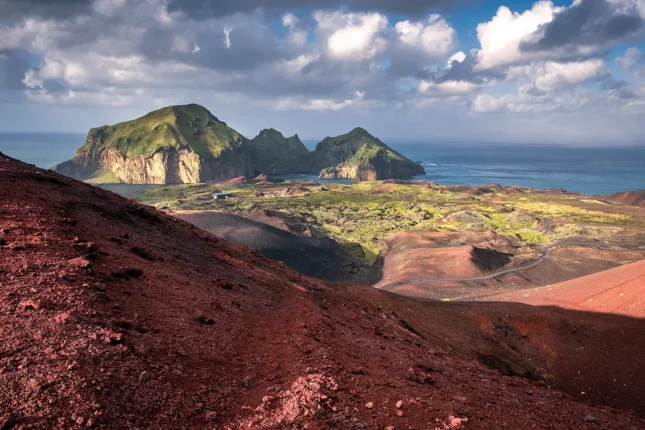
x: 103, y: 177
x: 190, y: 126
x: 532, y: 237
x: 360, y: 215
x: 573, y: 213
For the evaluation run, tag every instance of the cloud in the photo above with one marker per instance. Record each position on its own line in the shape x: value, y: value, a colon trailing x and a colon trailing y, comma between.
x: 554, y: 76
x: 548, y: 86
x: 48, y: 8
x: 447, y: 88
x: 227, y: 37
x: 298, y: 34
x: 457, y: 57
x: 109, y: 7
x: 500, y: 38
x: 527, y: 101
x: 208, y: 8
x: 431, y: 38
x: 321, y: 104
x: 588, y: 26
x: 351, y: 36
x: 460, y: 77
x: 631, y: 58
x: 132, y: 52
x: 418, y: 45
x: 320, y: 58
x: 487, y: 103
x: 13, y: 67
x: 551, y: 76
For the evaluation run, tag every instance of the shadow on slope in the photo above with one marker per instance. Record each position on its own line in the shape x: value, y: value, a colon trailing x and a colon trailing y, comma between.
x: 319, y: 257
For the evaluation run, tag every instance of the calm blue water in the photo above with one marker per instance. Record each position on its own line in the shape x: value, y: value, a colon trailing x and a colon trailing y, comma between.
x: 48, y: 149
x: 590, y: 170
x: 42, y: 149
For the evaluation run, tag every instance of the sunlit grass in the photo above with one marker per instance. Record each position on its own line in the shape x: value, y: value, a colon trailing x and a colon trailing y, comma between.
x: 359, y: 216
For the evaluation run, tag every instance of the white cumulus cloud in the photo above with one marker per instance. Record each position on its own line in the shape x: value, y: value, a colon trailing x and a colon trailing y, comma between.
x: 433, y: 37
x: 458, y: 57
x: 351, y: 36
x: 553, y: 76
x: 500, y: 38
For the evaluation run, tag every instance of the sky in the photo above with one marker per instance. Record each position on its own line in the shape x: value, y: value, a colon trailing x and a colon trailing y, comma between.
x: 415, y: 70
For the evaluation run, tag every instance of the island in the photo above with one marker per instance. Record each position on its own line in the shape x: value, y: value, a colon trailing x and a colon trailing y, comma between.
x: 188, y: 144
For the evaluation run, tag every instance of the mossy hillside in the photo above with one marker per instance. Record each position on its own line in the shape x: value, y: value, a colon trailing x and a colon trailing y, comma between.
x: 358, y: 147
x: 532, y: 237
x: 188, y: 126
x: 103, y: 177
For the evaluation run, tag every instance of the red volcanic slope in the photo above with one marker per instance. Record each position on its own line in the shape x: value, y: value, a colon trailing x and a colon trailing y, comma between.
x: 414, y: 255
x: 240, y: 180
x: 618, y: 291
x: 632, y: 198
x: 114, y: 315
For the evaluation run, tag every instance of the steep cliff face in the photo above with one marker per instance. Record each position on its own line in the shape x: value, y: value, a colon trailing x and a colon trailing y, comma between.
x: 350, y: 171
x: 272, y: 153
x: 361, y: 156
x: 178, y: 144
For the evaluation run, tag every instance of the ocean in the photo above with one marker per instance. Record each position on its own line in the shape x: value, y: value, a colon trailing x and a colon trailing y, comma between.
x: 586, y: 169
x: 41, y: 149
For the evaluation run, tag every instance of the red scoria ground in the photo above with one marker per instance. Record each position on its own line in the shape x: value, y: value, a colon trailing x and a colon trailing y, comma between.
x: 114, y: 315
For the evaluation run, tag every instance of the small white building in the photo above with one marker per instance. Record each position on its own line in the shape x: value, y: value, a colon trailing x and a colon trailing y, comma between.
x: 223, y: 196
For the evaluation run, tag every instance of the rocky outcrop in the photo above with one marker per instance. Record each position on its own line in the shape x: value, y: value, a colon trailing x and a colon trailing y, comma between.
x: 165, y: 166
x: 350, y: 171
x: 271, y: 153
x: 359, y: 155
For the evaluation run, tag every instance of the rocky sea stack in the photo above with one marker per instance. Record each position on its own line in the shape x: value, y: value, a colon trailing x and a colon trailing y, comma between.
x: 188, y: 144
x: 361, y: 156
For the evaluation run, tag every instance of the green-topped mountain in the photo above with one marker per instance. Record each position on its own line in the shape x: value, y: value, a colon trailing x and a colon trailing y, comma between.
x: 177, y: 144
x: 272, y: 153
x: 361, y: 156
x: 188, y: 144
